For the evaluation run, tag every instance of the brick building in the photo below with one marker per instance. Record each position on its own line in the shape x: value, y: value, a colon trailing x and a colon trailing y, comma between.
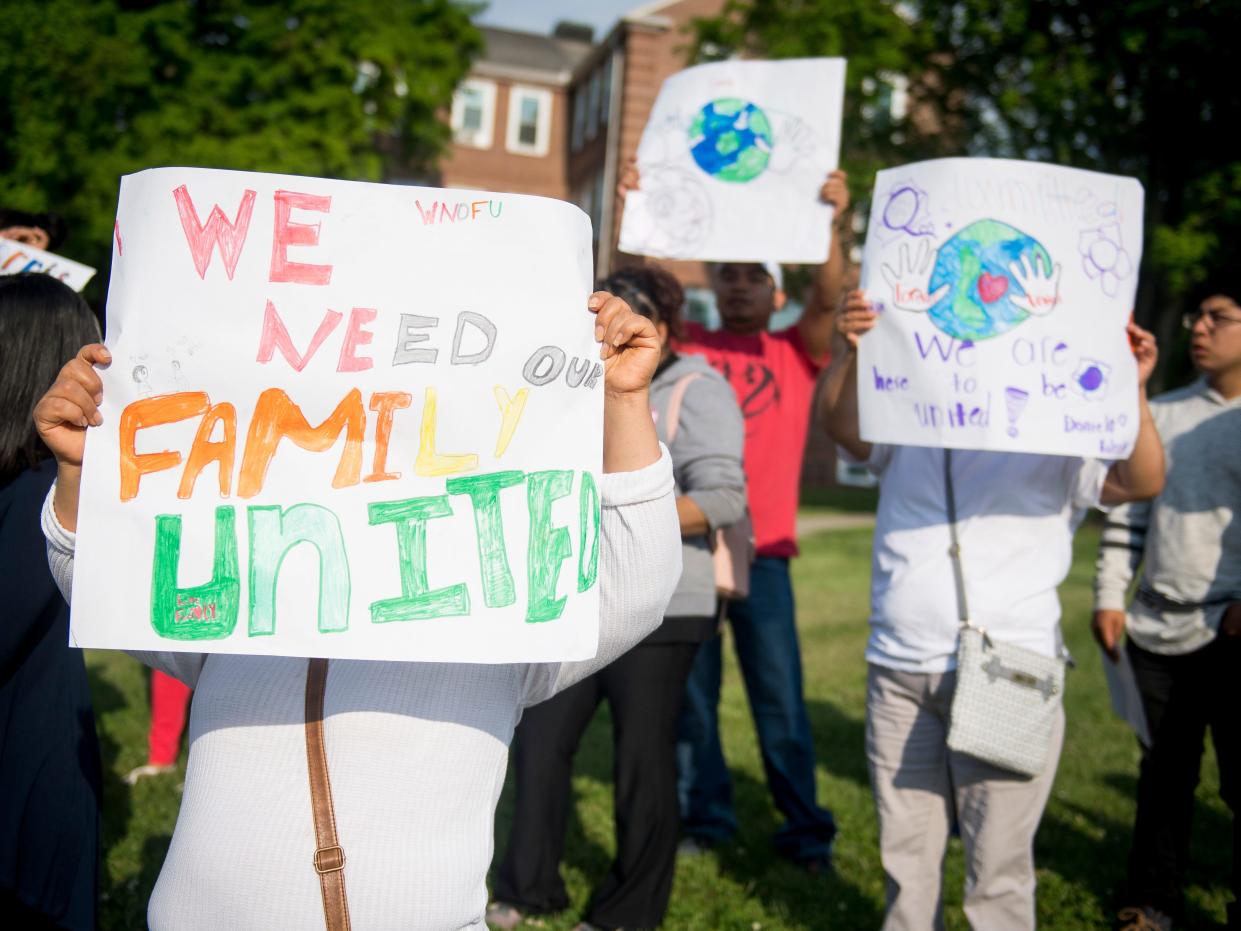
x: 560, y: 115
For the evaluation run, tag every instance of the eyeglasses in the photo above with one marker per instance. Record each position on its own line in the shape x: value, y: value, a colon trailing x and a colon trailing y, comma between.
x: 1215, y: 318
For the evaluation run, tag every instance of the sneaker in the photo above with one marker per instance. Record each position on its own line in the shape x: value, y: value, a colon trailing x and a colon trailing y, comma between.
x: 503, y: 917
x: 147, y: 769
x: 1143, y: 918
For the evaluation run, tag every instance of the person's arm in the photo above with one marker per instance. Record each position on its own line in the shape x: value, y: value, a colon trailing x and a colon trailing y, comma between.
x: 1140, y: 476
x: 817, y: 324
x: 1120, y: 553
x: 838, y: 400
x: 708, y: 452
x: 630, y: 351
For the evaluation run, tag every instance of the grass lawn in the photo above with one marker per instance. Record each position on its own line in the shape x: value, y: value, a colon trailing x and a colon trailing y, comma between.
x: 1081, y: 846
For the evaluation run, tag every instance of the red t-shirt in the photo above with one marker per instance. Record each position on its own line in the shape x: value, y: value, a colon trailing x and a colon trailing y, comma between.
x: 773, y: 376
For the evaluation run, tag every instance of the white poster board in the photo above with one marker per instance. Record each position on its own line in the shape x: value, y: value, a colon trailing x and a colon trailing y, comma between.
x: 1004, y: 289
x: 16, y: 257
x: 344, y: 420
x: 732, y: 161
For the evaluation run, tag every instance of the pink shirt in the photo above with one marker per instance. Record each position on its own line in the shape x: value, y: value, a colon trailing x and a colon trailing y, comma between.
x: 773, y: 377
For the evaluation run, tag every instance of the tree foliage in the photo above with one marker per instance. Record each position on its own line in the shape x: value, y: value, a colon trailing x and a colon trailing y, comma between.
x: 1137, y: 87
x: 104, y: 88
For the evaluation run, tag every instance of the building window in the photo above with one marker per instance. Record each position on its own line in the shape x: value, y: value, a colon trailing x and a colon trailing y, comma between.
x: 474, y: 113
x: 605, y: 97
x: 579, y: 118
x: 529, y: 120
x: 592, y: 109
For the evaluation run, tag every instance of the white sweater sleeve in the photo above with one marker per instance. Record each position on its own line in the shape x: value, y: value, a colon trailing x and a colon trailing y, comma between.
x: 639, y: 567
x: 60, y: 547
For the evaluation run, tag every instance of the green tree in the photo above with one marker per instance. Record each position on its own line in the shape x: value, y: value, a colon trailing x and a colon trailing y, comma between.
x: 1134, y: 87
x: 104, y: 88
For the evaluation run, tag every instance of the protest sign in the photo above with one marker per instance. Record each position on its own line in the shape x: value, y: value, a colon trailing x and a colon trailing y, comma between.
x: 732, y: 160
x: 344, y: 420
x: 1004, y: 289
x: 16, y: 257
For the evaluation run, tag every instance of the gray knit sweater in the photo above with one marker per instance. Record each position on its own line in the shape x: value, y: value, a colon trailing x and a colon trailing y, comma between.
x: 416, y: 755
x: 706, y: 465
x: 1189, y: 537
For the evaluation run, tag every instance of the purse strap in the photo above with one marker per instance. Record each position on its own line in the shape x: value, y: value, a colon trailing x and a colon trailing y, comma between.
x: 329, y: 859
x: 958, y: 573
x: 672, y: 413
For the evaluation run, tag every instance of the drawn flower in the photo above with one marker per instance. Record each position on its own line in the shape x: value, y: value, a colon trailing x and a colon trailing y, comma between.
x: 1104, y: 257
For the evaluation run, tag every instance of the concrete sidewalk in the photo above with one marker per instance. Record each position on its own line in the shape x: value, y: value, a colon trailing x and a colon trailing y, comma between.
x: 811, y: 522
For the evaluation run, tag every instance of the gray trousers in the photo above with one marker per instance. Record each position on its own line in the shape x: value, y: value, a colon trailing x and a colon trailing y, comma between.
x: 918, y: 783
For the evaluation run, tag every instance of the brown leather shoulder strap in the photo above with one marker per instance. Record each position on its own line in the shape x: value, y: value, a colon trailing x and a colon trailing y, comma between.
x: 329, y: 859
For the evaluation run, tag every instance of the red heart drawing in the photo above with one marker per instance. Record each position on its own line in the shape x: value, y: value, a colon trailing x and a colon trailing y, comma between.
x: 991, y: 287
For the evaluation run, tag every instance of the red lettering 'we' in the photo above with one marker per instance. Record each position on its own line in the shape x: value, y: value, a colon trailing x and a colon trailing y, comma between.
x: 217, y: 231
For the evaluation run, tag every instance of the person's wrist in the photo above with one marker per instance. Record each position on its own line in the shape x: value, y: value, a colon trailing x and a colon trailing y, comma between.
x: 68, y: 470
x: 636, y: 398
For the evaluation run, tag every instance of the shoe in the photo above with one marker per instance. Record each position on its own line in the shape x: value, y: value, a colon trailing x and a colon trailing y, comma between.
x: 147, y: 769
x: 503, y: 917
x: 694, y: 847
x: 1143, y: 918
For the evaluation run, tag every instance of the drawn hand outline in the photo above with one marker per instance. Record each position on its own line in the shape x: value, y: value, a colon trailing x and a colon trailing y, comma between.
x: 1041, y: 285
x: 910, y: 280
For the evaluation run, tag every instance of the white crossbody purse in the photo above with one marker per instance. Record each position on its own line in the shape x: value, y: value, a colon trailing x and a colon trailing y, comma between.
x: 1007, y: 697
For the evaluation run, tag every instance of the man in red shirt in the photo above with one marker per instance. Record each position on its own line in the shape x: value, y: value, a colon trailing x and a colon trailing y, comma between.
x: 773, y: 375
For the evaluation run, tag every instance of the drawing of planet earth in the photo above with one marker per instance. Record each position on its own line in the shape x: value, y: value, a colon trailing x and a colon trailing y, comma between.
x: 974, y: 264
x: 731, y: 139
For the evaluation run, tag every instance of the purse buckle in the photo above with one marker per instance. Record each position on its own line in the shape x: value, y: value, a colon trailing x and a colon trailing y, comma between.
x: 995, y: 669
x: 329, y: 859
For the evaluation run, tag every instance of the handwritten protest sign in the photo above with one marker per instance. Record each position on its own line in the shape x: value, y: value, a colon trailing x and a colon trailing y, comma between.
x: 732, y: 161
x: 16, y: 257
x: 1004, y: 288
x: 345, y: 420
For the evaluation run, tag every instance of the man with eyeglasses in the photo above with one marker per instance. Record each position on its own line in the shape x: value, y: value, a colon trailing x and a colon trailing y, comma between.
x: 1184, y: 623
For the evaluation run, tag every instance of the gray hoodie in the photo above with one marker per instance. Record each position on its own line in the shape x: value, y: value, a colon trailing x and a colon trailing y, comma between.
x: 706, y: 465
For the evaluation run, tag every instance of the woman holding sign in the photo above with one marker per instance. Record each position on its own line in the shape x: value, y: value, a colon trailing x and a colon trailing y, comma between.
x: 698, y: 418
x: 416, y: 753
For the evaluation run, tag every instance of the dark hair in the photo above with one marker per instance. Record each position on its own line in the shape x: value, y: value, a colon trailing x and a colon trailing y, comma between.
x: 1201, y: 293
x: 651, y: 291
x: 43, y: 323
x: 51, y: 223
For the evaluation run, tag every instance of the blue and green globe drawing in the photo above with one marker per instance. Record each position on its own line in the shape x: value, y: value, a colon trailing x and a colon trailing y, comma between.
x: 731, y: 139
x: 975, y: 265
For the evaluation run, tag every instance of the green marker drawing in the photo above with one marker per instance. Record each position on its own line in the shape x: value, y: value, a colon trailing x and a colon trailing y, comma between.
x: 199, y: 612
x: 274, y: 531
x: 418, y: 601
x: 484, y: 492
x: 549, y: 546
x: 588, y: 508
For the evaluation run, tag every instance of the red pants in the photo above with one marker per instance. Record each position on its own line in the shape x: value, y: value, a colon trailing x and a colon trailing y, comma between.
x: 169, y: 698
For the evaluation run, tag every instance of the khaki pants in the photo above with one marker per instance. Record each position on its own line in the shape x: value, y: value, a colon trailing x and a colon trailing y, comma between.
x: 918, y: 782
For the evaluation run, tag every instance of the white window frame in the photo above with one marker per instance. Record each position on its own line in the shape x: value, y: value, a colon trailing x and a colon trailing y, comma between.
x: 482, y: 137
x: 543, y: 129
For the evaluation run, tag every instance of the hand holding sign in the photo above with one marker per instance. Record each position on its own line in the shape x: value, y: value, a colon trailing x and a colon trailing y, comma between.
x: 1040, y: 283
x: 909, y: 280
x: 630, y: 345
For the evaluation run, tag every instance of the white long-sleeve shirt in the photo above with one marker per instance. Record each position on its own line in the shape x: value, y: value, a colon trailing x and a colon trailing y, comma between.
x: 1189, y: 537
x: 416, y: 754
